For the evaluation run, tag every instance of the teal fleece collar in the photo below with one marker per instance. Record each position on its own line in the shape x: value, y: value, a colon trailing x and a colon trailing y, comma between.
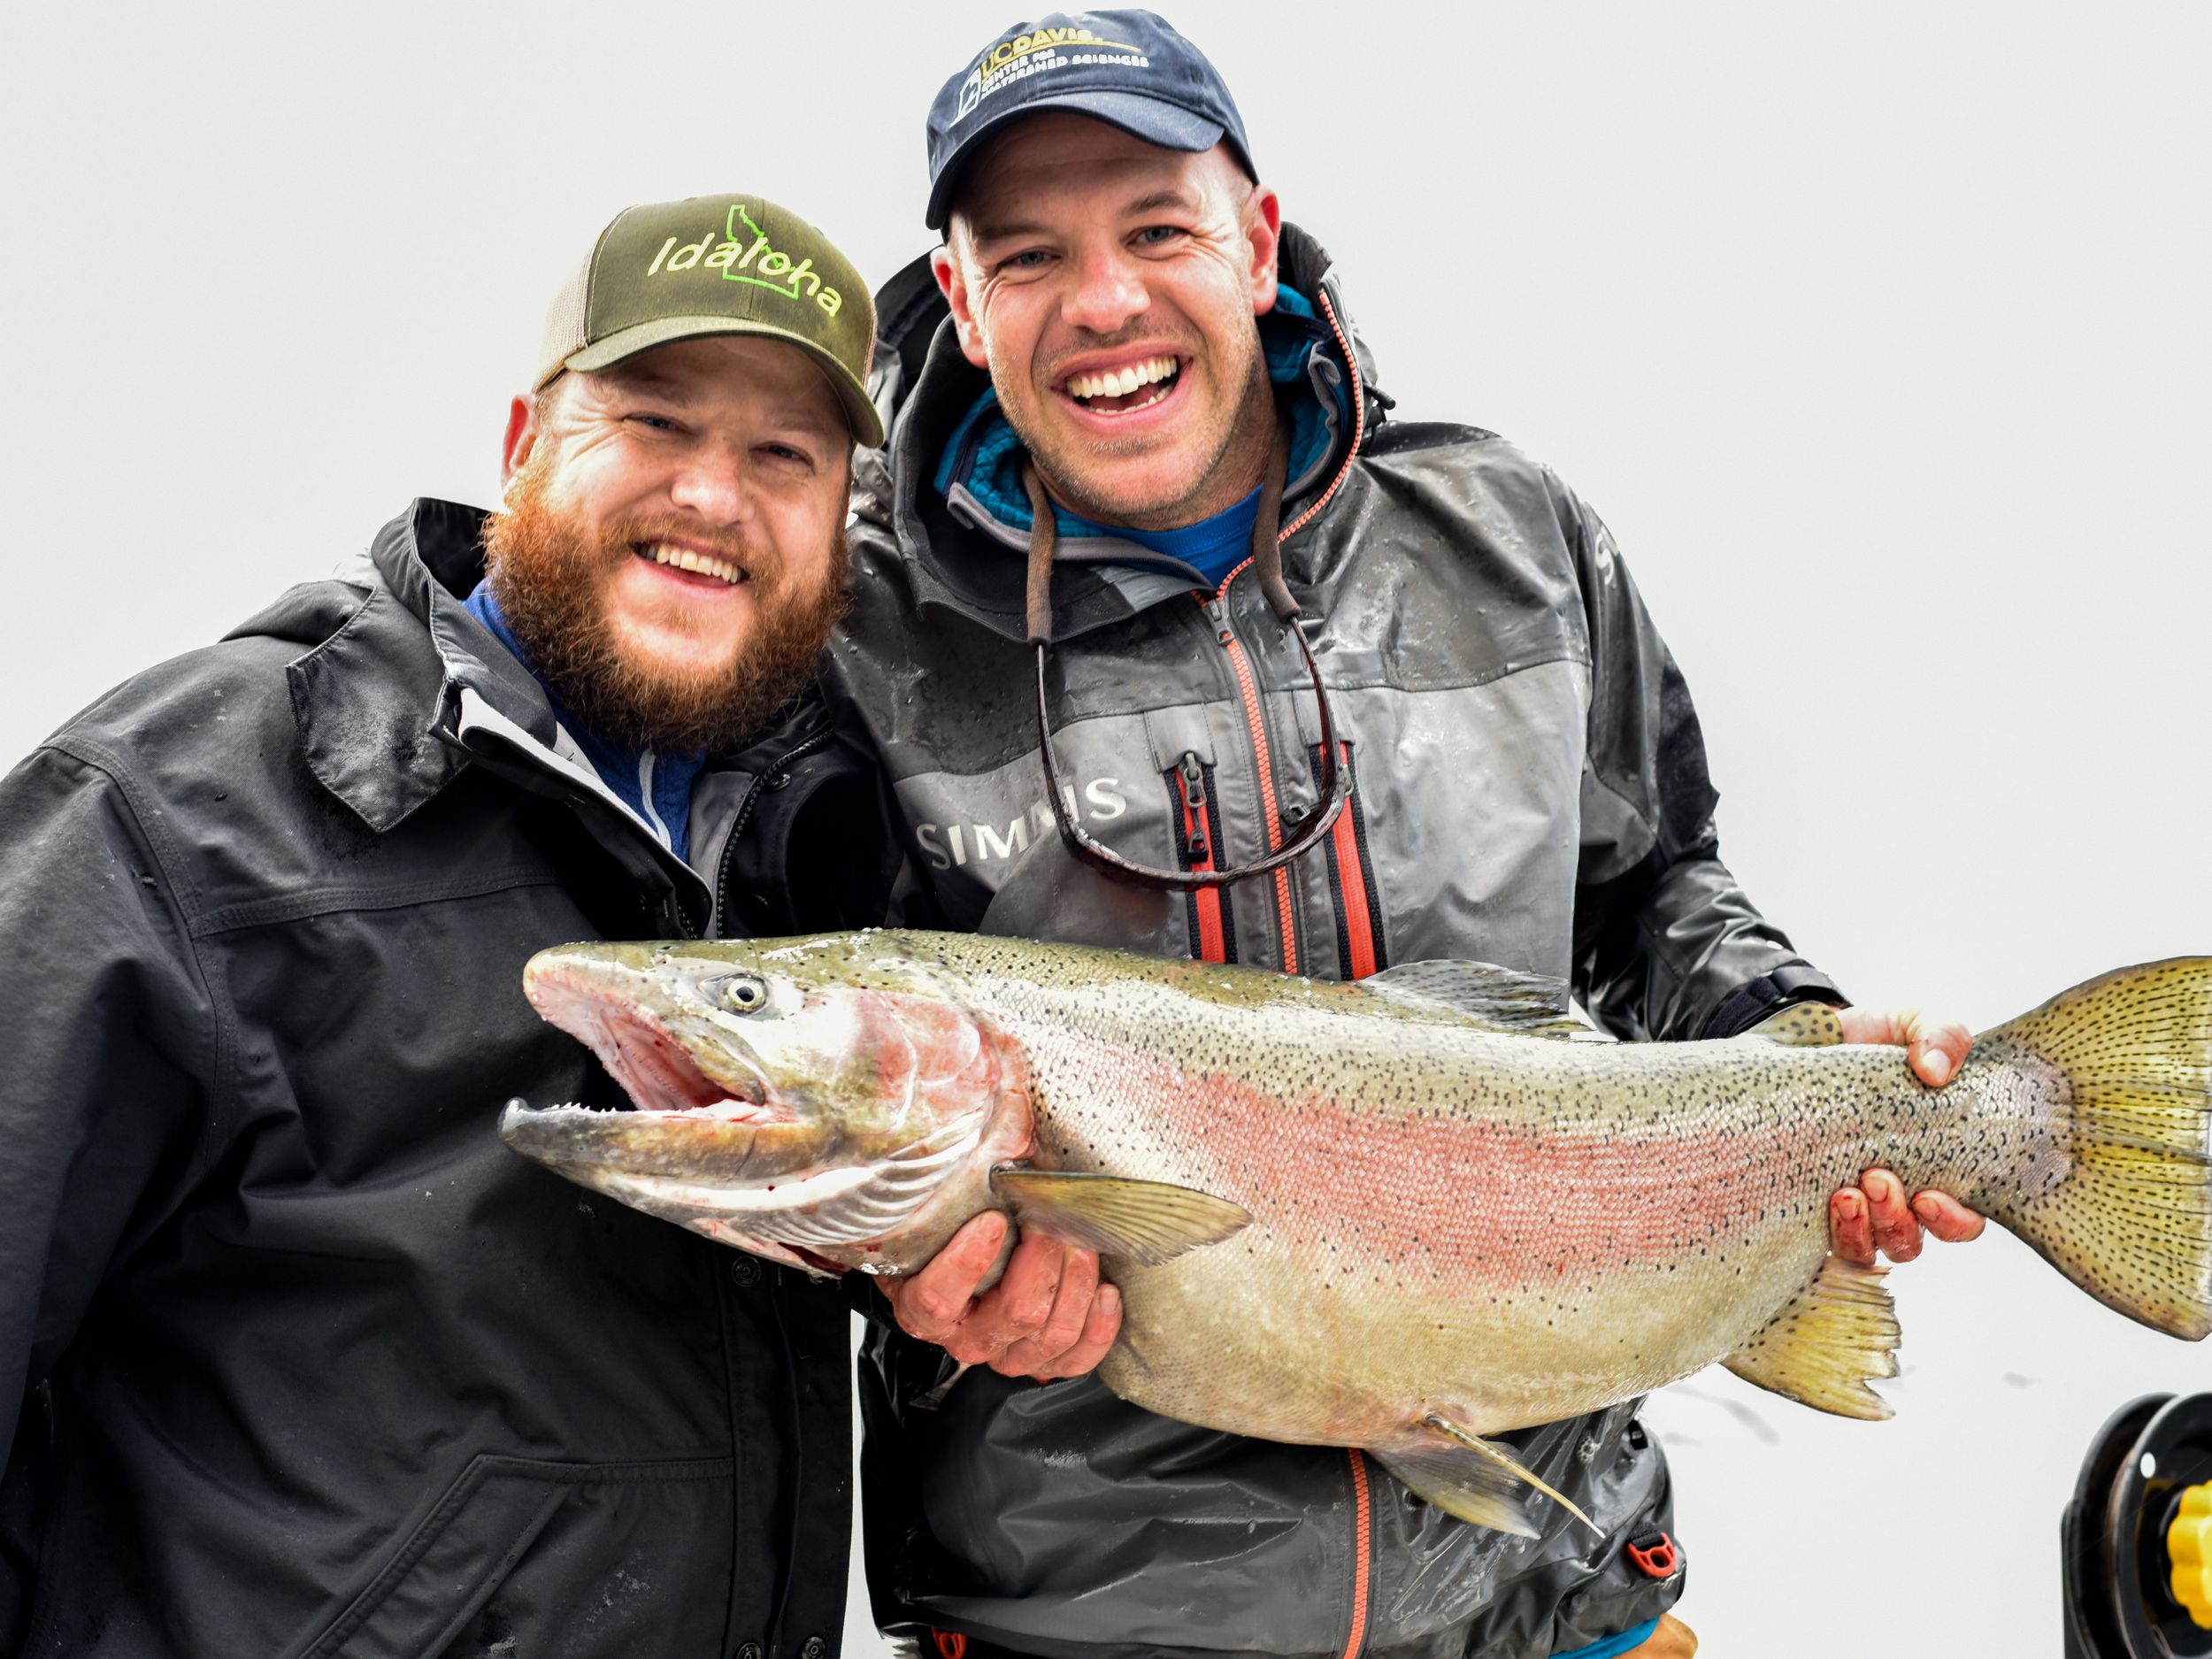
x: 979, y: 471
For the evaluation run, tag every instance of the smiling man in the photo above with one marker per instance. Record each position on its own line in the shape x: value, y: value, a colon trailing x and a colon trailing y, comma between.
x: 1220, y: 661
x: 297, y: 1356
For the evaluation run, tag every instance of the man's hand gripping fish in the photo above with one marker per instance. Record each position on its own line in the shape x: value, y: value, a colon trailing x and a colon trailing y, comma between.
x: 1432, y: 1207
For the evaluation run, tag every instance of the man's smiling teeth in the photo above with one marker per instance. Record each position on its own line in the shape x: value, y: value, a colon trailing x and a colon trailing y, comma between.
x: 684, y: 559
x: 1120, y: 382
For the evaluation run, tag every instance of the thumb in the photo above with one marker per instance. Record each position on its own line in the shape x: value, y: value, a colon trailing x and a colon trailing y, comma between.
x: 1936, y: 1047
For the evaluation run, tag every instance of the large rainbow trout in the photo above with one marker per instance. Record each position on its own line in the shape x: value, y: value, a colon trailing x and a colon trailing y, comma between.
x: 1404, y: 1214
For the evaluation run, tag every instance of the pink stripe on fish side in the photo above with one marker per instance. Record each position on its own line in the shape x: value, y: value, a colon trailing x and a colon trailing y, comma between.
x: 1520, y: 1205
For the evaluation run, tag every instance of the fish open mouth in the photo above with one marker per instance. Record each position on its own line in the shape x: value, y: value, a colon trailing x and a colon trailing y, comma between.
x: 653, y: 1065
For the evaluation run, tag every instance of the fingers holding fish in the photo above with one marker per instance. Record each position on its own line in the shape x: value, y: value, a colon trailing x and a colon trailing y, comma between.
x: 1948, y: 1218
x: 1896, y: 1230
x: 1935, y: 1049
x: 1048, y: 1332
x: 1019, y: 1307
x: 1850, y: 1234
x: 1085, y: 1317
x: 1047, y: 1315
x: 1874, y: 1219
x: 935, y: 1302
x: 1061, y: 1327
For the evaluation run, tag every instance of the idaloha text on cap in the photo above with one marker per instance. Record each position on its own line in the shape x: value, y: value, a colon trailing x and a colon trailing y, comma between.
x: 1129, y: 68
x: 716, y: 264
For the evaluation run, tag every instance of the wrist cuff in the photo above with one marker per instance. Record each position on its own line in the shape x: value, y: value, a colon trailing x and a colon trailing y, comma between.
x: 1747, y: 1004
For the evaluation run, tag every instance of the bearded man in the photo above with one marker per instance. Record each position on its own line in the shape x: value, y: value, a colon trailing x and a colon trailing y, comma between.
x: 299, y: 1358
x: 1222, y: 662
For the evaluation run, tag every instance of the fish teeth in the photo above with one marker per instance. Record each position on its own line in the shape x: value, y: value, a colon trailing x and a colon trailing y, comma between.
x: 1120, y: 382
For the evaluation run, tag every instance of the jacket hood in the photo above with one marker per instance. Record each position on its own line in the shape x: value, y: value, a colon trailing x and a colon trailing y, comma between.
x: 942, y: 482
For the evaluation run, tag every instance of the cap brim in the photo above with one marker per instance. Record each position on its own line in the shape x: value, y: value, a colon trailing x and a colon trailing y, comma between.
x: 1169, y: 126
x: 627, y: 343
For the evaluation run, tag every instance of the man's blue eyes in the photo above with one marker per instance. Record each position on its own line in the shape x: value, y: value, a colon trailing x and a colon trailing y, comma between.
x: 1151, y: 236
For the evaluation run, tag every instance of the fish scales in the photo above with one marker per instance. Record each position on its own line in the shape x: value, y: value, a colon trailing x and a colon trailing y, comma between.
x: 1404, y: 1215
x: 1561, y: 1212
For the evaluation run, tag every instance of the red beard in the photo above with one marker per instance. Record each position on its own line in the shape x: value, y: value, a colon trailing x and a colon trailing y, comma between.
x: 551, y: 578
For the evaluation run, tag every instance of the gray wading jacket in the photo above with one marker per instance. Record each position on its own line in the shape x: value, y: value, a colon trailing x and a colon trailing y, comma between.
x: 299, y: 1361
x: 1531, y: 790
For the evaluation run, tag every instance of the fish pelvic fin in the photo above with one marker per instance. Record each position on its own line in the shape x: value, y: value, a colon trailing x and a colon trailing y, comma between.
x: 1464, y: 1475
x: 1828, y: 1343
x: 2125, y: 1210
x: 1147, y: 1222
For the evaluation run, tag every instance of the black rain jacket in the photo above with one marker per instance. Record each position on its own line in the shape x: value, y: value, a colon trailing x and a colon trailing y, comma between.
x: 301, y: 1360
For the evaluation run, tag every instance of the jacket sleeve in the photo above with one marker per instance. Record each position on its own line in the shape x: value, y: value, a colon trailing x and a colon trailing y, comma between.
x: 109, y: 1041
x: 1666, y: 944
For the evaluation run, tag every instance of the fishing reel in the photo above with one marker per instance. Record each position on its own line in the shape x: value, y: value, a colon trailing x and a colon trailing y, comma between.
x: 2136, y: 1544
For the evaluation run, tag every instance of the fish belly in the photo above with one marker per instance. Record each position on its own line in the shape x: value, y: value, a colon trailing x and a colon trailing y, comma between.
x: 1342, y: 1346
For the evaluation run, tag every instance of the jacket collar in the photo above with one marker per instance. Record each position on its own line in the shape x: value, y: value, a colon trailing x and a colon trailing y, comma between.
x: 377, y: 704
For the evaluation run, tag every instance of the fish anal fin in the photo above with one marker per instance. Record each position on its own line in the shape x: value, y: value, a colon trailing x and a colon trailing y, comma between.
x: 1828, y: 1343
x: 1801, y: 1025
x: 1464, y: 1475
x: 1503, y: 999
x: 1147, y: 1222
x: 1458, y: 1483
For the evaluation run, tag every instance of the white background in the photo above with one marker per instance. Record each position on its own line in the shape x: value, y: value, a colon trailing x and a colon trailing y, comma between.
x: 1877, y: 331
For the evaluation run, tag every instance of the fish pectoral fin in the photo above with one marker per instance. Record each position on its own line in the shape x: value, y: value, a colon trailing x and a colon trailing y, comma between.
x: 1500, y: 999
x: 1828, y: 1343
x: 1800, y: 1025
x: 1464, y: 1475
x: 1148, y: 1222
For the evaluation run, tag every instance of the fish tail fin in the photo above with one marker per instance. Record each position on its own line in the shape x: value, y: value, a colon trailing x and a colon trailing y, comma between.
x: 2121, y: 1203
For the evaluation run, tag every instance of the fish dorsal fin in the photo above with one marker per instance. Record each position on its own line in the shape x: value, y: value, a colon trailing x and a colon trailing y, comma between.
x: 1148, y: 1222
x: 1801, y: 1025
x: 1503, y: 999
x: 1828, y: 1343
x: 1464, y: 1475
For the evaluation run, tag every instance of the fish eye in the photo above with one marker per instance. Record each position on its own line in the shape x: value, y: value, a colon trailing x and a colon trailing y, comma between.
x: 739, y: 993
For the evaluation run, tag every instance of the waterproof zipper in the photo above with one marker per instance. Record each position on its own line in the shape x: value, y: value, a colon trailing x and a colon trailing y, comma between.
x: 1363, y: 1543
x: 1212, y: 928
x: 774, y: 769
x: 1255, y: 716
x: 1255, y: 723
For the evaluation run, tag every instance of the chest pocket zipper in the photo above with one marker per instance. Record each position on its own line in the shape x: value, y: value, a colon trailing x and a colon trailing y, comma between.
x: 1190, y: 810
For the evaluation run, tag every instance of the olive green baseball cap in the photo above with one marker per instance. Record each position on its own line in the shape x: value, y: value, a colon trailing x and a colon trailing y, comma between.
x: 716, y: 264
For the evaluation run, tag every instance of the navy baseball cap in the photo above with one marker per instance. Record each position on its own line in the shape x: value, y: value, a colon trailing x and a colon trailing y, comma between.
x: 1126, y: 67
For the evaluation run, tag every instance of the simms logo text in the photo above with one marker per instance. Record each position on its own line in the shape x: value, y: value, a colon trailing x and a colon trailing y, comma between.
x: 945, y: 845
x: 734, y: 259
